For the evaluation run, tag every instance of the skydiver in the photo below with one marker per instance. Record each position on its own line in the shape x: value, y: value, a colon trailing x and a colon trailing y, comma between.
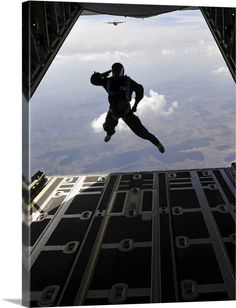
x: 120, y: 88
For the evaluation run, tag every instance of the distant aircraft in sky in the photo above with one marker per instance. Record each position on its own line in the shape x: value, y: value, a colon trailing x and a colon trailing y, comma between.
x: 115, y: 23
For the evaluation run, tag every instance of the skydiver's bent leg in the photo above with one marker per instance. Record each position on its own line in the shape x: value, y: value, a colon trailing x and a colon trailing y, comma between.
x: 109, y: 126
x: 137, y: 127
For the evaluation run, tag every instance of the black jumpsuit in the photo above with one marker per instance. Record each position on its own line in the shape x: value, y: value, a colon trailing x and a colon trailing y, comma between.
x: 119, y: 96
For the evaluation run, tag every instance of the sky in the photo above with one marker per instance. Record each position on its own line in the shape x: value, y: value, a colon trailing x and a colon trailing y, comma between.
x: 189, y: 98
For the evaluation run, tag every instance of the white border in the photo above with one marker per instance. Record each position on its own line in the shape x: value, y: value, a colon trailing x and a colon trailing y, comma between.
x: 10, y: 154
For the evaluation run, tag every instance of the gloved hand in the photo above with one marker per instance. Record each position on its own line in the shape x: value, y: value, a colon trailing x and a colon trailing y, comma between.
x: 95, y: 79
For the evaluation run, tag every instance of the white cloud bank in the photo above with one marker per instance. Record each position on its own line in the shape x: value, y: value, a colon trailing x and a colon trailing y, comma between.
x: 97, y: 56
x: 166, y: 52
x: 203, y: 47
x: 151, y: 107
x: 183, y: 18
x: 221, y: 70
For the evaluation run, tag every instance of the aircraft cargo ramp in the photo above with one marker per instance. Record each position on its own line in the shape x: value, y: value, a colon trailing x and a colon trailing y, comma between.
x: 162, y: 236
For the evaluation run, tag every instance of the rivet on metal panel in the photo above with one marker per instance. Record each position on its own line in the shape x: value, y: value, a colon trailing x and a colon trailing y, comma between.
x: 101, y: 179
x: 182, y: 242
x: 233, y: 238
x: 177, y: 210
x: 135, y: 190
x: 118, y: 293
x: 137, y: 177
x: 58, y: 193
x: 71, y: 247
x: 163, y: 209
x: 206, y: 173
x: 189, y: 290
x: 85, y: 215
x: 69, y: 180
x: 131, y: 210
x: 48, y: 296
x: 131, y: 213
x: 100, y: 213
x: 172, y: 175
x: 126, y: 245
x: 211, y: 187
x: 42, y: 216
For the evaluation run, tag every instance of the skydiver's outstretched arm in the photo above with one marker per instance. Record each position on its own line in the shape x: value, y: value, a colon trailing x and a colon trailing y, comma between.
x: 138, y: 89
x: 99, y: 79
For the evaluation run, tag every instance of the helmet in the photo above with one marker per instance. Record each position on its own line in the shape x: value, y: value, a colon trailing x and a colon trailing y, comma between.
x: 117, y: 70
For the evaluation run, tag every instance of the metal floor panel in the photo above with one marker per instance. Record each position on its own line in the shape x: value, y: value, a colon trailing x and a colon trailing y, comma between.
x: 135, y: 238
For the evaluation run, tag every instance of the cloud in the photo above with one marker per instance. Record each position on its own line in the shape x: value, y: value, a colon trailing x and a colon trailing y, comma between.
x: 130, y: 44
x: 166, y: 52
x: 189, y: 18
x: 220, y: 70
x: 97, y: 123
x: 97, y: 56
x: 156, y: 105
x: 203, y: 47
x: 151, y: 107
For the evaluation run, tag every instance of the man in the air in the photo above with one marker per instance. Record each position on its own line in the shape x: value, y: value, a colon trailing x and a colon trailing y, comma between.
x: 120, y: 88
